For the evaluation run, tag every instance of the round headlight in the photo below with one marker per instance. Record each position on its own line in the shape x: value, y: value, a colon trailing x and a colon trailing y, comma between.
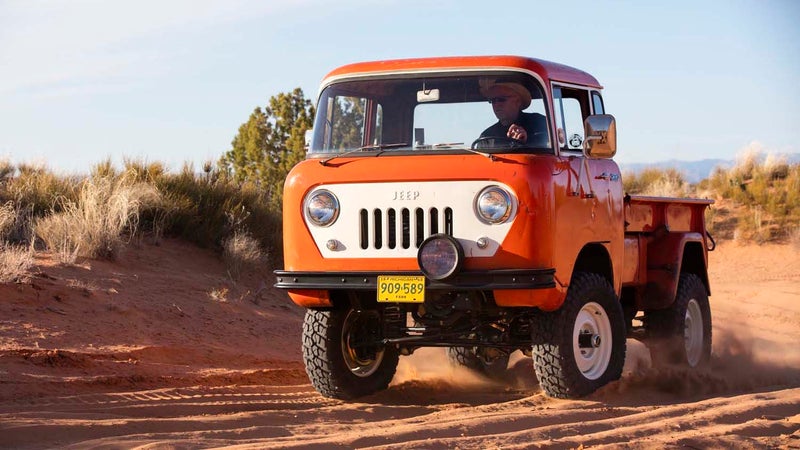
x: 322, y: 208
x: 440, y: 256
x: 493, y: 205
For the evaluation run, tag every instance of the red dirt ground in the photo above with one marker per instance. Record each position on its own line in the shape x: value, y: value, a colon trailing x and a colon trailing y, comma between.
x: 161, y: 350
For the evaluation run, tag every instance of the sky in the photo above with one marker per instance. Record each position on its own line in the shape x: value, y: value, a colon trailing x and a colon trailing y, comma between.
x: 171, y: 81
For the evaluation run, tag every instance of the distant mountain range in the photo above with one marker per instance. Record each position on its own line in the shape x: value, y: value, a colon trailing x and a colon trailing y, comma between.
x: 694, y: 171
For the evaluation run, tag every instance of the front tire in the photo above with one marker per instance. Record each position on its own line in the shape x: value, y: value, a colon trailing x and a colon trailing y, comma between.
x: 580, y: 347
x: 343, y: 355
x: 685, y: 327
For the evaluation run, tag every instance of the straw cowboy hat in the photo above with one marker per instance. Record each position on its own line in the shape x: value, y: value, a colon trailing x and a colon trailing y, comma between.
x: 524, y: 94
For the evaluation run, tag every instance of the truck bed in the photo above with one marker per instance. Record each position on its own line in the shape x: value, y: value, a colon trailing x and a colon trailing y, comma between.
x: 663, y: 237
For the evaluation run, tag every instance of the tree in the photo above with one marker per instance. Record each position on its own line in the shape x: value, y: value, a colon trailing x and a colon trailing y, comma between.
x: 270, y: 143
x: 349, y: 123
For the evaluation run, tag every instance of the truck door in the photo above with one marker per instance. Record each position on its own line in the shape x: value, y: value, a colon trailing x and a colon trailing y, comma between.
x: 592, y: 200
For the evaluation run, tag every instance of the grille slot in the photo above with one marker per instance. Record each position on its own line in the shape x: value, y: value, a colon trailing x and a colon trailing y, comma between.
x: 377, y: 229
x: 364, y: 235
x: 391, y: 234
x: 398, y: 228
x: 406, y: 228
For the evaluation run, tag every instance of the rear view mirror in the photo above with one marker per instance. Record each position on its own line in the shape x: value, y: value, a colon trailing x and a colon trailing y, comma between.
x: 601, y: 136
x: 427, y: 95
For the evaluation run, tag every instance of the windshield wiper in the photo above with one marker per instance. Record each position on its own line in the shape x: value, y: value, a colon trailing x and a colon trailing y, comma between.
x: 365, y: 148
x: 488, y: 155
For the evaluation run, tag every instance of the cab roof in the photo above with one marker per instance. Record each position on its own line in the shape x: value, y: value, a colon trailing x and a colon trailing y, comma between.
x: 547, y: 70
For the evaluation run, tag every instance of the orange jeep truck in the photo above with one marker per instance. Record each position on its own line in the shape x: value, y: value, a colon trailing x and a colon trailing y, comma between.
x: 424, y: 217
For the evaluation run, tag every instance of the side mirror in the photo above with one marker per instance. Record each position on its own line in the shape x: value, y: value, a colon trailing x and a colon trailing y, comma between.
x: 601, y: 136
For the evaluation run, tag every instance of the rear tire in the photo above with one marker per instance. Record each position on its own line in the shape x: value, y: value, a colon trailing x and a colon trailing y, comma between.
x: 580, y: 347
x: 342, y: 354
x: 487, y: 361
x: 684, y: 327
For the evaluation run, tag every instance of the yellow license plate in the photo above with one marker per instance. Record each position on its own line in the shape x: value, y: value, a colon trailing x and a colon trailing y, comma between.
x: 401, y: 289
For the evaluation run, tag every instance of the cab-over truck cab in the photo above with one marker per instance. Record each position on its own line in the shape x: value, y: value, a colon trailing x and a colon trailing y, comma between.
x: 410, y: 225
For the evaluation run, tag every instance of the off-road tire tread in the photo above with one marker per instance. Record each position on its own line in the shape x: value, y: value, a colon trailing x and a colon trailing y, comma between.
x: 324, y: 362
x: 553, y: 360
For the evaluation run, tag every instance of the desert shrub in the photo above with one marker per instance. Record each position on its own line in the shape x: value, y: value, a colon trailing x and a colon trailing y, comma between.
x: 144, y: 172
x: 93, y: 215
x: 93, y: 225
x: 668, y: 182
x: 719, y: 182
x: 8, y: 218
x: 766, y: 193
x: 206, y: 209
x: 239, y: 251
x: 104, y: 169
x: 37, y: 189
x: 747, y: 162
x: 752, y: 227
x: 7, y: 170
x: 792, y: 183
x: 15, y: 263
x: 775, y: 167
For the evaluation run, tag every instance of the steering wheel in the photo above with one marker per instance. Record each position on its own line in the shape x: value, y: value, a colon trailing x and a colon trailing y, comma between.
x: 501, y: 139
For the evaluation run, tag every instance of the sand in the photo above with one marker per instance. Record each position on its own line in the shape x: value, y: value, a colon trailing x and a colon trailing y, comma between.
x: 161, y: 349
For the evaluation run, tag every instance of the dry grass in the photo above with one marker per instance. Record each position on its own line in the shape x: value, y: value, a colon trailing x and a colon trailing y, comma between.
x: 657, y: 182
x: 668, y: 187
x: 15, y: 263
x: 37, y: 189
x: 758, y: 199
x: 219, y: 294
x: 8, y: 218
x: 239, y: 251
x: 7, y: 169
x: 765, y: 189
x: 93, y: 216
x: 93, y: 226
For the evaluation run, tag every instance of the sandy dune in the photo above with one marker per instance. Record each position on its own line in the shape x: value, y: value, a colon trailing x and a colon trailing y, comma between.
x: 161, y: 350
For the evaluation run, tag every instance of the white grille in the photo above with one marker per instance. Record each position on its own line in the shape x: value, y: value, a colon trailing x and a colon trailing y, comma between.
x: 402, y: 228
x: 390, y: 220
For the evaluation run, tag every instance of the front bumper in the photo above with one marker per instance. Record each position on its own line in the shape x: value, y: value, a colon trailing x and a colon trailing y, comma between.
x: 464, y: 281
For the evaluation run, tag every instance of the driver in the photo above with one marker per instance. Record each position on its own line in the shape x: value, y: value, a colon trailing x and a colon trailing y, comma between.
x: 508, y: 100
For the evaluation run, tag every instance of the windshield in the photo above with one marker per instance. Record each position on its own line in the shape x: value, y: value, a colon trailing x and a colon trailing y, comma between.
x: 436, y: 113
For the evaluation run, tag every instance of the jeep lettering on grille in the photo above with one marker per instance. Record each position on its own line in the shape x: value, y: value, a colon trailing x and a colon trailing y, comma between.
x: 406, y: 195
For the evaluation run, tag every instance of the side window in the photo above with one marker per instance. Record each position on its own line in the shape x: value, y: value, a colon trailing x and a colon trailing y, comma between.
x: 571, y: 109
x: 597, y: 103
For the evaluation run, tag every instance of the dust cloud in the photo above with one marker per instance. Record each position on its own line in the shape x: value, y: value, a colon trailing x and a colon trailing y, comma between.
x: 738, y: 364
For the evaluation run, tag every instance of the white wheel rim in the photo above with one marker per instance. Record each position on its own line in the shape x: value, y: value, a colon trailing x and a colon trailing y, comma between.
x: 693, y: 333
x: 360, y: 366
x: 592, y: 322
